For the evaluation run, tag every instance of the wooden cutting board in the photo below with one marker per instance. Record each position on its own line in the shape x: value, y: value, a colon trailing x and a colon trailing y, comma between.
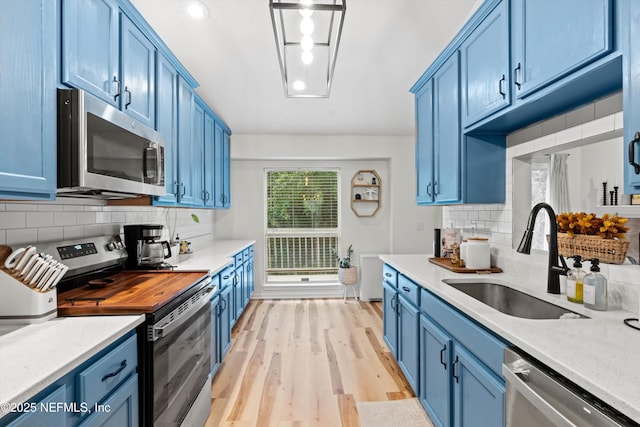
x: 446, y: 263
x: 130, y: 293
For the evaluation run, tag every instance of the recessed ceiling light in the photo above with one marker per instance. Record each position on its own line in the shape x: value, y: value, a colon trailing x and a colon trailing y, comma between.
x: 306, y: 57
x: 299, y: 85
x: 196, y: 10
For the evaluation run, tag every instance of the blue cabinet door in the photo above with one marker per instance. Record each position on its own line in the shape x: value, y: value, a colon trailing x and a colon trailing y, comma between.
x: 209, y: 161
x: 238, y: 290
x: 631, y: 94
x: 123, y: 408
x: 222, y: 151
x: 424, y: 143
x: 553, y: 38
x: 390, y: 318
x: 435, y: 372
x: 408, y: 339
x: 90, y: 47
x: 246, y: 283
x: 479, y: 395
x: 485, y: 76
x: 186, y: 172
x: 167, y: 115
x: 197, y: 155
x: 215, y: 334
x: 42, y: 418
x: 28, y: 87
x: 226, y: 308
x: 446, y: 137
x: 138, y: 62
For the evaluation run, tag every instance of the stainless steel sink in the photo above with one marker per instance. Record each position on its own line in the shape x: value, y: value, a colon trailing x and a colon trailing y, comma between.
x: 512, y: 302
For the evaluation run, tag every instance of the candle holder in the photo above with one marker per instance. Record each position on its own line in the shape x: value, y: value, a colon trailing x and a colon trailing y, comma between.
x: 615, y: 195
x: 604, y: 193
x: 611, y: 197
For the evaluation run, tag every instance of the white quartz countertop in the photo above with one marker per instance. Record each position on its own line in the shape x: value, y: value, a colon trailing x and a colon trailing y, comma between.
x: 34, y: 356
x: 213, y: 256
x: 600, y: 354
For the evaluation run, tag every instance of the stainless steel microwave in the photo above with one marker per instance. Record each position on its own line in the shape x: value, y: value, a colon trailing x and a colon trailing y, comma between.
x: 104, y: 153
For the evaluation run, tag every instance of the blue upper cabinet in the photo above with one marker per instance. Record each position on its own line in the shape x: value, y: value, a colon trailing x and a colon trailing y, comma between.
x: 90, y: 47
x: 209, y: 197
x: 424, y: 143
x: 112, y: 60
x: 551, y: 39
x: 138, y: 73
x: 486, y: 80
x: 446, y: 137
x: 167, y: 115
x: 187, y: 163
x: 28, y: 87
x: 197, y: 153
x: 631, y: 101
x: 222, y: 150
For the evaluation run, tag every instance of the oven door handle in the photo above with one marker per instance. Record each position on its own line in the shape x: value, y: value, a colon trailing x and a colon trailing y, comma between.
x: 163, y: 329
x: 519, y: 383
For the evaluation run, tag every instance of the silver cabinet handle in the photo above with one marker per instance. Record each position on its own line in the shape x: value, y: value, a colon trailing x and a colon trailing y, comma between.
x: 117, y: 92
x: 501, y: 84
x: 516, y: 76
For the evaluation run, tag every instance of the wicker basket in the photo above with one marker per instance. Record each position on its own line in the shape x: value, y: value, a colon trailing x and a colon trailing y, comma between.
x: 608, y: 251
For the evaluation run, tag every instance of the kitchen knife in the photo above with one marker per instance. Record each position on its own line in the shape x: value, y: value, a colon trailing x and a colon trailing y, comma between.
x: 38, y: 273
x: 46, y: 275
x: 12, y: 259
x: 28, y: 251
x: 36, y: 266
x: 31, y: 259
x: 55, y: 278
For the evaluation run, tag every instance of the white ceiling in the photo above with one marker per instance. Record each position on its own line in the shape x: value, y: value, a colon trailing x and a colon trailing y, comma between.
x: 386, y: 45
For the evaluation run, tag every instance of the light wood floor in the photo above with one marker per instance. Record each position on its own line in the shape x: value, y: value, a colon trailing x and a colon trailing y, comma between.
x: 305, y: 363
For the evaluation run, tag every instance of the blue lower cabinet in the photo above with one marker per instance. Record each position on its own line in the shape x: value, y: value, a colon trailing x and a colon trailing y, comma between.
x: 224, y: 319
x: 40, y: 418
x: 408, y: 348
x: 102, y: 391
x: 435, y: 372
x: 390, y: 318
x: 215, y: 333
x: 120, y: 410
x: 478, y: 394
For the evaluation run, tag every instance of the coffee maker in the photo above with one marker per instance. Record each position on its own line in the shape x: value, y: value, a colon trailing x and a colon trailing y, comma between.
x: 144, y: 249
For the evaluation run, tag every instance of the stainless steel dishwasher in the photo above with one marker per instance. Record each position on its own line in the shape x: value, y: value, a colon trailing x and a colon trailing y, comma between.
x: 538, y: 396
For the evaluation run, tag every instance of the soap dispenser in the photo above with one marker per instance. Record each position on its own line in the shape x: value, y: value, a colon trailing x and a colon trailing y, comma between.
x: 574, y: 280
x: 595, y: 288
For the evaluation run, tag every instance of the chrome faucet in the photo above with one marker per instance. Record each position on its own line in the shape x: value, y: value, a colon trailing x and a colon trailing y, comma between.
x: 554, y: 270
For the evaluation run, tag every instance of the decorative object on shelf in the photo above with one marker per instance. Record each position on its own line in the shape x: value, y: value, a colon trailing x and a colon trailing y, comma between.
x: 615, y: 195
x: 307, y: 57
x: 604, y: 193
x: 366, y: 188
x: 592, y: 237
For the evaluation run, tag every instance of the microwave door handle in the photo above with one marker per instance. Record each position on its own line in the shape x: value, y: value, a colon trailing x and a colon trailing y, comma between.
x: 150, y: 164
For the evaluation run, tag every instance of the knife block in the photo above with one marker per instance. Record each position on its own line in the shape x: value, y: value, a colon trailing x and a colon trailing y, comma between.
x: 21, y: 304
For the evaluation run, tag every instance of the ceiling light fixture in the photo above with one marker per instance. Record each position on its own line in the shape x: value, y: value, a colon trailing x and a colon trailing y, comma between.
x: 307, y: 34
x: 197, y: 10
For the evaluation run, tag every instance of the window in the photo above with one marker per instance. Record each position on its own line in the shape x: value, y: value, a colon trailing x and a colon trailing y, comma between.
x: 302, y: 225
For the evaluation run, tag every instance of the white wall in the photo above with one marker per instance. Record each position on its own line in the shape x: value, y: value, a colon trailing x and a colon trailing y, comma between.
x: 399, y: 227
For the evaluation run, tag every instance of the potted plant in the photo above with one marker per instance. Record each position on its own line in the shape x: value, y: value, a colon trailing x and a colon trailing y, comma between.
x: 347, y: 274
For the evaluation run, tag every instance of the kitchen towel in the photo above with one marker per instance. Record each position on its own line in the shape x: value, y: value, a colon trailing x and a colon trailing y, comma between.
x: 404, y: 412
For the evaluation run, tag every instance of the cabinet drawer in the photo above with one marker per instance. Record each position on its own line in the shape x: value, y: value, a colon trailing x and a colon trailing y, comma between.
x: 104, y: 375
x: 238, y: 258
x: 226, y: 275
x: 390, y: 275
x: 482, y: 343
x: 245, y: 255
x: 251, y: 250
x: 409, y: 290
x: 40, y: 417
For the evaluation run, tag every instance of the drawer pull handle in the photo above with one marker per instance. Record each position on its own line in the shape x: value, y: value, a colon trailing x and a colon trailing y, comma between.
x: 442, y: 357
x: 516, y: 76
x: 406, y: 289
x: 501, y: 89
x: 123, y: 365
x: 387, y: 274
x: 632, y: 153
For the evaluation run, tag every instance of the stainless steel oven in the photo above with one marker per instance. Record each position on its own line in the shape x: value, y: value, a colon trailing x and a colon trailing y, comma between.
x: 103, y: 151
x: 177, y: 355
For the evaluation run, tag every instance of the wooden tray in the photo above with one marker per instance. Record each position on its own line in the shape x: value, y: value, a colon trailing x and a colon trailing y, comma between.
x: 446, y: 263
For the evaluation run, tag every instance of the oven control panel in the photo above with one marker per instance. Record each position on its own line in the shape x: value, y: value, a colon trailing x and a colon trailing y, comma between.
x: 75, y: 251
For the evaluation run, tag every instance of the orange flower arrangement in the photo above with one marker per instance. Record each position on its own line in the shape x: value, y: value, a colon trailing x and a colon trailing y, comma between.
x: 608, y: 227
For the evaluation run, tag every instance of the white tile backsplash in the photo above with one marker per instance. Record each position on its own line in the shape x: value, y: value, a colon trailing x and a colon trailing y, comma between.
x: 23, y: 223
